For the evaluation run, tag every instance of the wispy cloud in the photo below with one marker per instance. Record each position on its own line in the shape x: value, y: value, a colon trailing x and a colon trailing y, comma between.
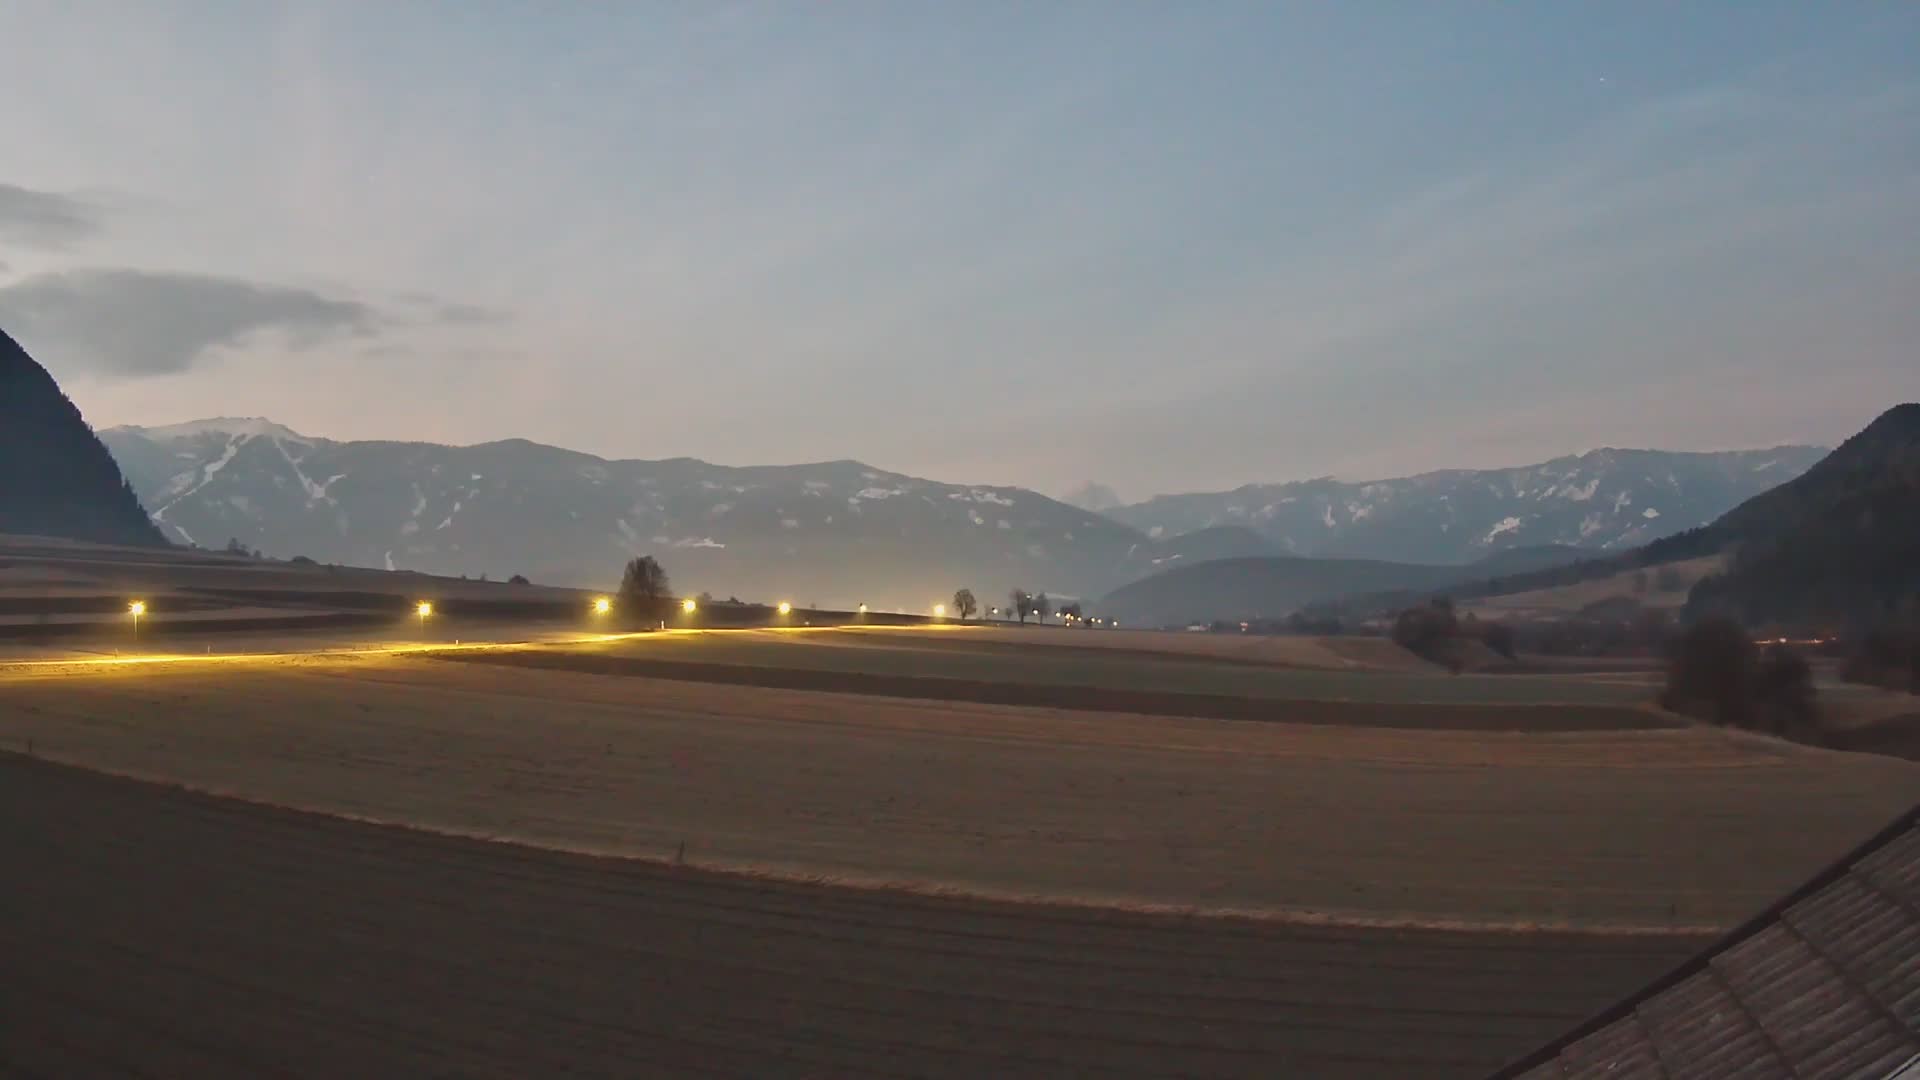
x: 45, y: 219
x: 130, y: 323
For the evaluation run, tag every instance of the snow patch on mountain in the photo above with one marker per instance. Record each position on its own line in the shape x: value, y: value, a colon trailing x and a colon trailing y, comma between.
x: 244, y: 427
x: 1506, y: 525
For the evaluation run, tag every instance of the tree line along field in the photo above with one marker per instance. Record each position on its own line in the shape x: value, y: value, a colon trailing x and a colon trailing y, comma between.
x: 1668, y: 830
x: 268, y: 942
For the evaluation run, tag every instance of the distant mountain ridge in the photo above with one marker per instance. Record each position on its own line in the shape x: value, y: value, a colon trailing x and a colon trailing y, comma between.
x: 1836, y: 547
x: 56, y: 479
x: 833, y: 532
x: 1602, y: 500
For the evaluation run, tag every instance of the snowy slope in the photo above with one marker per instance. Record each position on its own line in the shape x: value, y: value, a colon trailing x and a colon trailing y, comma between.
x: 1604, y: 500
x: 834, y: 532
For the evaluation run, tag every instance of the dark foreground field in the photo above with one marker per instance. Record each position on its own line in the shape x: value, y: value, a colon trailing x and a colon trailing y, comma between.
x: 145, y: 930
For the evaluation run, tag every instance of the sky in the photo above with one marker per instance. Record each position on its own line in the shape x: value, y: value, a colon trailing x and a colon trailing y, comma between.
x: 1167, y: 247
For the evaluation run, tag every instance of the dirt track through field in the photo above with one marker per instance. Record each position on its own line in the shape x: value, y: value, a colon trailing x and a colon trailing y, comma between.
x: 149, y: 931
x: 1655, y: 829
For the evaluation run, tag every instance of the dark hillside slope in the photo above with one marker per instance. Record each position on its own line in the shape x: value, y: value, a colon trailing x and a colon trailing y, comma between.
x: 1838, y: 546
x: 56, y: 479
x: 1273, y: 586
x: 1255, y: 588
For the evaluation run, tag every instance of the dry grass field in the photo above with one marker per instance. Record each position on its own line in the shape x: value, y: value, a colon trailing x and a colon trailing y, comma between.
x: 1317, y: 653
x: 159, y: 933
x: 851, y: 852
x: 1684, y: 827
x: 1053, y: 659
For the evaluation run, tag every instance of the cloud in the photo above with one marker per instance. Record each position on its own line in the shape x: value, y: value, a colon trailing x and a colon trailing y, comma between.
x: 44, y: 219
x: 133, y: 323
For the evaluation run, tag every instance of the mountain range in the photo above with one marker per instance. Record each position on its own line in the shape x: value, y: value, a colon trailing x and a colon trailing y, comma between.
x: 833, y: 532
x: 1834, y: 548
x: 1604, y: 500
x: 56, y: 479
x: 845, y: 532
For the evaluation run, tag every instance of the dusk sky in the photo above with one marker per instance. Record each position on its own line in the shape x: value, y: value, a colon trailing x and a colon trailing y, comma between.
x: 1163, y: 246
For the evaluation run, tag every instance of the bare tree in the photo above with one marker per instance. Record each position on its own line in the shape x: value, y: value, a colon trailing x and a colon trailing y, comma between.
x: 1020, y: 602
x: 644, y: 589
x: 964, y: 604
x: 1042, y: 607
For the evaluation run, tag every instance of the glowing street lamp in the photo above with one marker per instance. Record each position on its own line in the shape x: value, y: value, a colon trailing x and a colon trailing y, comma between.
x: 423, y: 609
x: 863, y: 609
x: 602, y: 605
x: 785, y: 608
x: 137, y: 609
x: 939, y: 611
x: 689, y: 606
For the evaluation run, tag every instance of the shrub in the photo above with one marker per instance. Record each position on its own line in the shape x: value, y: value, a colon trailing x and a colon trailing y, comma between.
x: 1715, y: 672
x: 518, y: 579
x: 1500, y: 638
x: 1887, y: 656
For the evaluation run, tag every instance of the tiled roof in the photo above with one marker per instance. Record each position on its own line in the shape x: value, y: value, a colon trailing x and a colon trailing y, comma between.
x: 1824, y: 984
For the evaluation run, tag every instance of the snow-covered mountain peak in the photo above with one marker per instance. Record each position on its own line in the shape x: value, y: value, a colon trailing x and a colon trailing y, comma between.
x: 230, y: 426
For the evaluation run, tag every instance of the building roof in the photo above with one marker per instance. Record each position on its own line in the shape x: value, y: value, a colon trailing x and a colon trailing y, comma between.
x: 1823, y: 984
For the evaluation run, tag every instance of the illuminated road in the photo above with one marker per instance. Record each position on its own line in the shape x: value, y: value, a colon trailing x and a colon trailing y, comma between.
x: 22, y: 666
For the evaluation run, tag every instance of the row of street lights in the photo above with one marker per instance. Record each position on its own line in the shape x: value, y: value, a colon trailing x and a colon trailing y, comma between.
x: 601, y: 606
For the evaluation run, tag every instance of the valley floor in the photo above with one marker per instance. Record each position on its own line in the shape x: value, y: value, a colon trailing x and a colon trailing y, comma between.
x: 150, y: 931
x: 1662, y: 829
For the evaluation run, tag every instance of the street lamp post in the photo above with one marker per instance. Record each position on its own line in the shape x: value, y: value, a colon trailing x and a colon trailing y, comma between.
x: 137, y: 609
x: 423, y: 609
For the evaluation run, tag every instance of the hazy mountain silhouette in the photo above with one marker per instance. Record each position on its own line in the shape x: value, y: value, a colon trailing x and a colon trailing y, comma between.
x: 1605, y: 500
x: 1093, y: 496
x: 56, y: 478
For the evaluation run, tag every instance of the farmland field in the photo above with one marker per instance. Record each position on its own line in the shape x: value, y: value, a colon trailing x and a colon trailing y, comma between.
x: 263, y: 942
x: 1059, y: 658
x: 1681, y: 827
x: 708, y: 876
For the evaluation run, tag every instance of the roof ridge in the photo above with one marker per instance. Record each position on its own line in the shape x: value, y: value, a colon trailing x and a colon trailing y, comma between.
x: 1703, y: 960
